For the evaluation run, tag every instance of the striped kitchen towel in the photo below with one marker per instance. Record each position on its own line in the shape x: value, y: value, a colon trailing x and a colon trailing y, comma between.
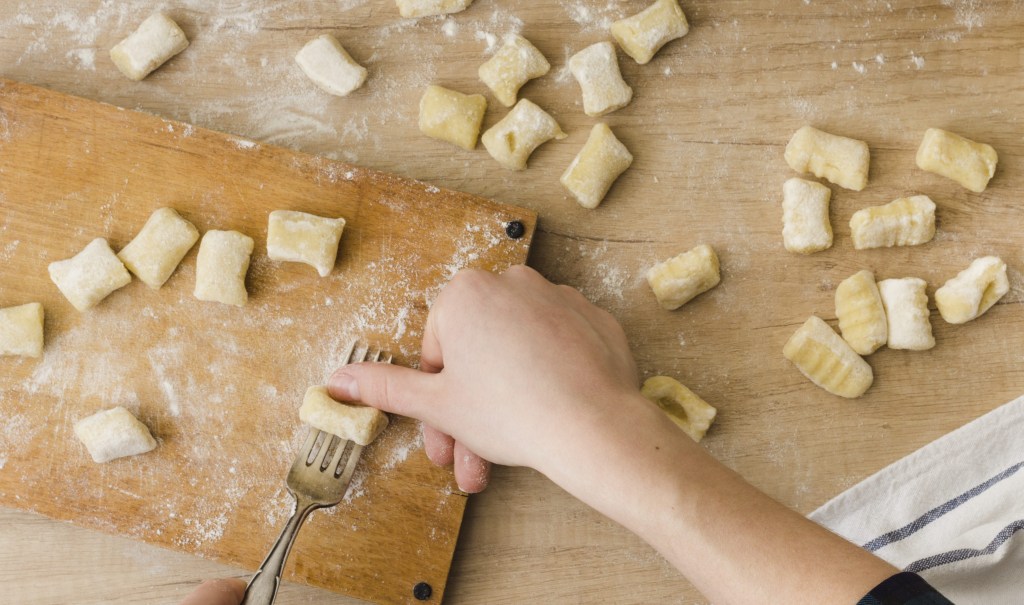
x: 952, y: 511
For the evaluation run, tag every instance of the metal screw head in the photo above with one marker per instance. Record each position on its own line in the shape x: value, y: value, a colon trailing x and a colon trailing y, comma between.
x: 515, y: 229
x: 422, y: 591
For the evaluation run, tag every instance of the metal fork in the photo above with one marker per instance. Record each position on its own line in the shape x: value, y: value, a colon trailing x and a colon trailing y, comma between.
x: 318, y: 478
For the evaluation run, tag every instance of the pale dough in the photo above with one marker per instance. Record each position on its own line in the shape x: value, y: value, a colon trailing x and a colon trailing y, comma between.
x: 973, y: 291
x: 643, y: 34
x: 677, y: 280
x: 841, y: 160
x: 515, y: 64
x: 596, y: 68
x: 358, y: 423
x: 861, y: 313
x: 907, y: 221
x: 683, y: 407
x: 89, y: 276
x: 156, y: 40
x: 21, y: 330
x: 950, y: 155
x: 114, y: 433
x: 304, y: 238
x: 330, y: 66
x: 451, y: 116
x: 592, y: 172
x: 827, y: 360
x: 805, y: 225
x: 221, y: 266
x: 906, y: 313
x: 157, y: 250
x: 414, y: 9
x: 519, y: 133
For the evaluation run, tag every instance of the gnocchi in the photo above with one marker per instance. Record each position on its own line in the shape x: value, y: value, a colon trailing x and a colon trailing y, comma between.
x: 114, y: 433
x: 827, y: 360
x: 21, y: 330
x: 973, y: 291
x: 840, y: 160
x: 861, y: 313
x: 592, y: 172
x: 358, y: 423
x: 414, y: 9
x: 156, y: 40
x: 89, y: 276
x: 221, y: 266
x: 950, y: 155
x: 682, y: 406
x: 596, y: 68
x: 304, y: 238
x: 518, y: 134
x: 326, y: 62
x: 451, y: 116
x: 907, y: 221
x: 678, y: 280
x: 157, y: 250
x: 515, y: 64
x: 906, y: 314
x: 805, y: 225
x: 643, y: 34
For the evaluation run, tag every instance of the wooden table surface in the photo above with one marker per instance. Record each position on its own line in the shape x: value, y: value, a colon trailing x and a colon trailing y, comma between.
x: 710, y: 118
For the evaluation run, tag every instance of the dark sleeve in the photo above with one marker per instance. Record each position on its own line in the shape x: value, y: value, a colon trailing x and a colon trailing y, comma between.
x: 904, y: 589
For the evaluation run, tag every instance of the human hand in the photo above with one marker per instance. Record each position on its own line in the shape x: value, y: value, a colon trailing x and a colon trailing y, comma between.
x: 228, y: 591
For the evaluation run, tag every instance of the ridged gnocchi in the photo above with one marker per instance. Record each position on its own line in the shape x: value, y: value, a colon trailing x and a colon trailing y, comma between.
x: 973, y: 291
x: 643, y: 34
x: 683, y: 407
x: 827, y: 360
x: 906, y: 313
x: 950, y: 155
x: 840, y: 160
x: 805, y: 225
x: 907, y: 221
x: 861, y: 313
x: 678, y: 280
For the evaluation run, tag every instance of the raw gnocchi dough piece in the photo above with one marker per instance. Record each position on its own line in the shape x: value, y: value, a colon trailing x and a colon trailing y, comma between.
x: 906, y: 313
x: 973, y: 291
x: 518, y: 134
x: 678, y: 280
x: 329, y: 66
x: 452, y: 116
x: 643, y: 34
x: 682, y: 406
x: 414, y: 9
x: 21, y: 330
x: 596, y: 68
x: 907, y: 221
x: 304, y: 238
x: 156, y: 40
x: 840, y: 160
x: 221, y: 266
x: 950, y: 155
x: 827, y: 360
x: 157, y: 250
x: 90, y: 276
x: 515, y: 64
x: 591, y: 174
x: 861, y: 313
x: 805, y: 225
x: 358, y: 423
x: 114, y: 433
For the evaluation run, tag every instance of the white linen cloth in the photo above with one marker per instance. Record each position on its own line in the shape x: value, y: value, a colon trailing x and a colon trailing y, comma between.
x: 952, y: 511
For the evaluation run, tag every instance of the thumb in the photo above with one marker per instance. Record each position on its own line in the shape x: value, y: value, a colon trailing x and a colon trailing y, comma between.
x: 386, y: 387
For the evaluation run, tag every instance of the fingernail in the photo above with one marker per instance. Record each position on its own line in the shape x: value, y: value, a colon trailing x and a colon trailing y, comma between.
x: 344, y: 386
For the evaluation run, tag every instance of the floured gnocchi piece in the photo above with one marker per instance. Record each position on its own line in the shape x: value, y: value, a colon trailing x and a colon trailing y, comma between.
x: 643, y: 34
x: 861, y: 313
x: 973, y: 291
x: 518, y: 134
x: 21, y: 330
x: 683, y: 407
x: 358, y: 423
x: 515, y: 64
x: 451, y: 116
x: 827, y: 360
x: 678, y: 280
x: 304, y: 238
x: 805, y: 225
x: 592, y: 172
x: 221, y: 266
x: 90, y: 276
x: 950, y: 155
x: 908, y: 221
x: 156, y: 40
x: 906, y: 313
x: 114, y: 433
x: 157, y: 250
x: 414, y: 9
x: 596, y: 68
x: 326, y: 62
x: 840, y: 160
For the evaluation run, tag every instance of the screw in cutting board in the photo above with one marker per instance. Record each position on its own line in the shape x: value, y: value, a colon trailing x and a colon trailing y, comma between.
x: 515, y: 229
x: 422, y: 591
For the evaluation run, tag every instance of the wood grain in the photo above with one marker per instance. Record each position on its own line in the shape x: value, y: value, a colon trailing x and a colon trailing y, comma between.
x: 710, y: 118
x: 219, y: 386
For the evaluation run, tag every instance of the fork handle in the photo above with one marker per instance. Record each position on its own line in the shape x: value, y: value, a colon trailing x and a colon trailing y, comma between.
x: 262, y: 588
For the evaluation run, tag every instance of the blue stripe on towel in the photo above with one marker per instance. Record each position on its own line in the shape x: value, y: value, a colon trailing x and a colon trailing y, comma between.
x: 962, y: 554
x: 909, y: 529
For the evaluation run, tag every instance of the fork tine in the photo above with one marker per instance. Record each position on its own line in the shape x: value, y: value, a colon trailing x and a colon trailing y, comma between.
x: 325, y: 447
x: 307, y: 448
x: 336, y: 459
x: 350, y: 466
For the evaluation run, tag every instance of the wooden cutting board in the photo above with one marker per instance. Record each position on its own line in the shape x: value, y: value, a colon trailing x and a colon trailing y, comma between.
x: 220, y: 386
